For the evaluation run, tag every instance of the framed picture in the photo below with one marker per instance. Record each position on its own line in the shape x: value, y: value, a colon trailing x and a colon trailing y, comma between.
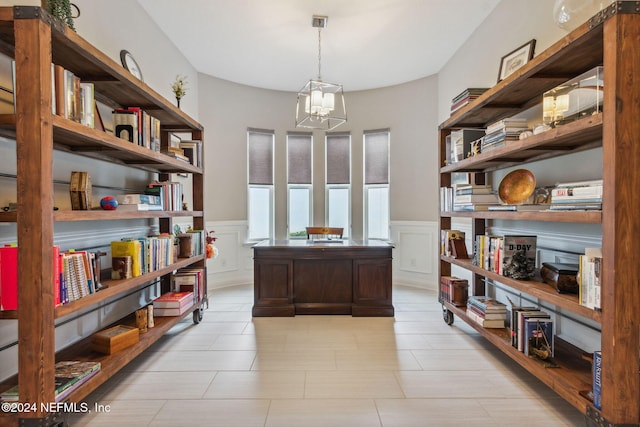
x: 516, y: 59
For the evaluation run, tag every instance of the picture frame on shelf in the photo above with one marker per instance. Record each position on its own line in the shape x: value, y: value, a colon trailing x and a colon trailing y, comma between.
x: 515, y: 59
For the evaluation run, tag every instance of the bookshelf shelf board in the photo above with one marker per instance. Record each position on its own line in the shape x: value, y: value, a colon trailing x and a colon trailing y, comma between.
x: 102, y: 215
x: 585, y: 217
x: 573, y: 137
x: 572, y: 375
x: 535, y: 288
x: 114, y: 288
x: 73, y: 137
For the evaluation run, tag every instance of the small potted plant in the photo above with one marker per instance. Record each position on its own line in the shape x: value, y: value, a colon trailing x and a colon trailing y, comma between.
x: 179, y: 87
x: 61, y: 9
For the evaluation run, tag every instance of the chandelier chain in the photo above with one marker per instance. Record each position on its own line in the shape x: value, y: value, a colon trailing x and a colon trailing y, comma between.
x: 319, y: 55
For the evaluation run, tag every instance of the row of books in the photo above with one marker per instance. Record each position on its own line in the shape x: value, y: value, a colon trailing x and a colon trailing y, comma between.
x: 76, y: 274
x: 189, y: 151
x: 72, y: 98
x: 486, y: 311
x: 69, y: 375
x: 137, y: 256
x: 532, y: 331
x: 580, y: 195
x: 169, y: 192
x: 510, y: 255
x: 137, y: 126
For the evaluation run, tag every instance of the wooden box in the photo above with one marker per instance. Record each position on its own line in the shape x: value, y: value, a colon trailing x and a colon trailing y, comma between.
x: 563, y: 277
x: 114, y: 339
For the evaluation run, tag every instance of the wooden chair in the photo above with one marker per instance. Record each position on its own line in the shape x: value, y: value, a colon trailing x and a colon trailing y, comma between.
x: 324, y: 232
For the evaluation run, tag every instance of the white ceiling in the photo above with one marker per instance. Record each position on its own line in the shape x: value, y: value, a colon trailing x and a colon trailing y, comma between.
x: 272, y: 44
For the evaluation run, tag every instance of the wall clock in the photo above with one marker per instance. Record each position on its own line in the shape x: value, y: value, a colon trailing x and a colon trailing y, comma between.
x: 130, y: 64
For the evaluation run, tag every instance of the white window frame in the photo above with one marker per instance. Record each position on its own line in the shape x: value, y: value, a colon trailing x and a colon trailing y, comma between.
x: 290, y: 188
x: 368, y: 187
x: 342, y: 186
x: 297, y: 186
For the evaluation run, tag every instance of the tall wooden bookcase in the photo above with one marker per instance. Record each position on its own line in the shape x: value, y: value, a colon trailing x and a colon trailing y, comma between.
x: 35, y: 41
x: 611, y: 39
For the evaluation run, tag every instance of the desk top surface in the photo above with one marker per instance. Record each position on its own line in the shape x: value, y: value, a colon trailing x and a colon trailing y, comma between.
x: 323, y: 243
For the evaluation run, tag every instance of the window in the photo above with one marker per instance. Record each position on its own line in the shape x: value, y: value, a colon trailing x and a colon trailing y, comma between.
x: 260, y: 184
x: 376, y: 184
x: 299, y: 184
x: 338, y: 181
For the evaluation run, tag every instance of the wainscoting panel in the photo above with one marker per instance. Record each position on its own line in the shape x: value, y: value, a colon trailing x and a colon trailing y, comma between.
x: 234, y: 263
x: 416, y: 253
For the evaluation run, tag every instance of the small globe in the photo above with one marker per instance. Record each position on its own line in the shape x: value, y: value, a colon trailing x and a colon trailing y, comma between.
x: 108, y: 203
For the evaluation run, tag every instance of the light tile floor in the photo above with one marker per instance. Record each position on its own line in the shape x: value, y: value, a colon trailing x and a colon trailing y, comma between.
x: 307, y: 371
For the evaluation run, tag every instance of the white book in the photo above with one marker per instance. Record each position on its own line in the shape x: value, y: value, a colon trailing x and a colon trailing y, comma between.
x: 139, y: 207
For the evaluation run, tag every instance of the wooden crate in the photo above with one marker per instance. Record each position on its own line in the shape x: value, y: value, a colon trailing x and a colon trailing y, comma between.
x: 115, y: 339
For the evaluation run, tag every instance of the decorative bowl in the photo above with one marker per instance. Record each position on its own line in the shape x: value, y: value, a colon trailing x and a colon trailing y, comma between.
x: 517, y: 187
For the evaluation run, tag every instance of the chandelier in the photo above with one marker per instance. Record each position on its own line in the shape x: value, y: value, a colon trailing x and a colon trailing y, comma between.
x: 320, y: 104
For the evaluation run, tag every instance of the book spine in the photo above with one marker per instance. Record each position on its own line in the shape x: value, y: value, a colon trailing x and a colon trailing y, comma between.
x: 597, y: 379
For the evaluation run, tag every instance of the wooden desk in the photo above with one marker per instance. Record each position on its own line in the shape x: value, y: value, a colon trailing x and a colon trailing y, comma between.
x: 305, y: 277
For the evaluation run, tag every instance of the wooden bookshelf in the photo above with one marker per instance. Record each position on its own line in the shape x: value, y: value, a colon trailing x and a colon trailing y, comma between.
x: 609, y: 39
x: 35, y: 40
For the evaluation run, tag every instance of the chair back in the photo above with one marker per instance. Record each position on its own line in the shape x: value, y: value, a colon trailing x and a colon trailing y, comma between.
x: 324, y: 232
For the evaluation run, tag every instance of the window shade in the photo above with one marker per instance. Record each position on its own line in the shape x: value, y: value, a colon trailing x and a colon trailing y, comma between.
x: 299, y: 158
x: 376, y: 158
x: 338, y: 159
x: 260, y: 158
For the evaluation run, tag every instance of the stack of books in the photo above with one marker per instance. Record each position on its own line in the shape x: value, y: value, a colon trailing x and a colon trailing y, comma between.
x: 580, y: 195
x: 69, y: 375
x: 502, y: 131
x: 470, y: 197
x: 173, y: 304
x: 486, y: 311
x: 170, y: 194
x: 465, y: 97
x: 532, y: 328
x: 139, y: 202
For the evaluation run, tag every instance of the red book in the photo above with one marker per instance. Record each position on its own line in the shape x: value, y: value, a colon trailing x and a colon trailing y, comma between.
x: 9, y: 277
x: 173, y: 300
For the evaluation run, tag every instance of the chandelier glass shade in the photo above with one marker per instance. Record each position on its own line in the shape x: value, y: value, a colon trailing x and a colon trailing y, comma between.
x: 320, y: 104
